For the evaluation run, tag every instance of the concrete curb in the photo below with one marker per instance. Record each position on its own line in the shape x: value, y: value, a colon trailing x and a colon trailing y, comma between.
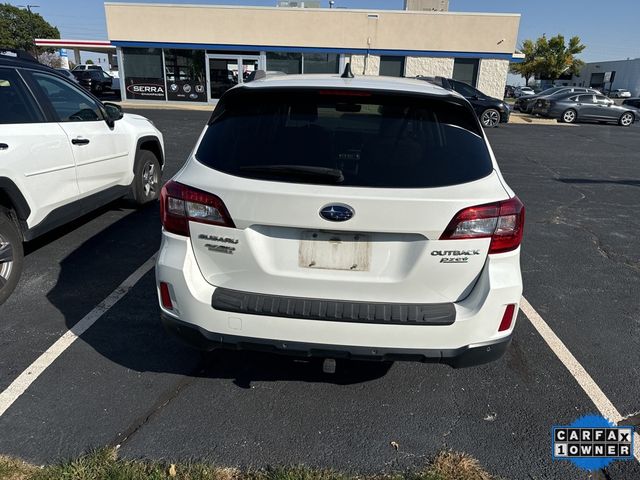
x: 524, y: 119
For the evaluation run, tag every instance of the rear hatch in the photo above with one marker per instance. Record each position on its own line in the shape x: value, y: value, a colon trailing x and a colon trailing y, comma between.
x: 339, y: 194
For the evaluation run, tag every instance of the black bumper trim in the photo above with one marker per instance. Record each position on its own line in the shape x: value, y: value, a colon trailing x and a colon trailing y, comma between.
x: 235, y: 301
x: 459, y: 357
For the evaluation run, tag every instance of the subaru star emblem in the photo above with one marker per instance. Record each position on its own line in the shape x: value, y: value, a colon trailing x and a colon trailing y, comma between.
x: 337, y: 212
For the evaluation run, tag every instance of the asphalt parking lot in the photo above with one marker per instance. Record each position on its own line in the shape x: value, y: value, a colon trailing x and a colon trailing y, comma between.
x: 125, y: 382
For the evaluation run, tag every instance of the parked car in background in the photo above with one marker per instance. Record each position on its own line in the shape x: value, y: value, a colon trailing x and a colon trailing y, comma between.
x: 491, y: 111
x: 96, y: 81
x: 67, y: 74
x: 522, y: 91
x: 63, y: 153
x: 509, y: 91
x: 620, y: 93
x: 402, y: 224
x: 585, y: 107
x: 633, y: 104
x: 86, y: 66
x: 526, y: 104
x: 541, y: 103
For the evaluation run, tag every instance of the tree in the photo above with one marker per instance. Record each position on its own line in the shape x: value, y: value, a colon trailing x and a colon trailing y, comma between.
x: 18, y: 28
x: 549, y: 58
x: 530, y: 65
x: 557, y: 58
x: 53, y: 60
x: 89, y: 62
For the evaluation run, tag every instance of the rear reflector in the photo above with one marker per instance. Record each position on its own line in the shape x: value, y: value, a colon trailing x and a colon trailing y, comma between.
x: 180, y: 204
x: 165, y: 297
x: 507, y: 318
x: 503, y: 222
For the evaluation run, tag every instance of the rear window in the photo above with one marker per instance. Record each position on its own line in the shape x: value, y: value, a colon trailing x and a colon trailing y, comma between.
x: 349, y: 138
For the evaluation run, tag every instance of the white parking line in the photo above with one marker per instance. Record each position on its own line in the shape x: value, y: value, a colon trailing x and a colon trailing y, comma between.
x: 591, y: 388
x: 26, y: 378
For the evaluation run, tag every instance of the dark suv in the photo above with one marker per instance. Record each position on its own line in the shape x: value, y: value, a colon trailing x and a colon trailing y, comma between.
x: 96, y: 81
x: 491, y: 111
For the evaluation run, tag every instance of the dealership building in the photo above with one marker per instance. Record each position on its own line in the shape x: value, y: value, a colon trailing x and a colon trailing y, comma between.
x: 193, y: 53
x: 609, y: 75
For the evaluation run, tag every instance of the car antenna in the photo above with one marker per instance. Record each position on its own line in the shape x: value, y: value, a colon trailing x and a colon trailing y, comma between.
x: 347, y: 71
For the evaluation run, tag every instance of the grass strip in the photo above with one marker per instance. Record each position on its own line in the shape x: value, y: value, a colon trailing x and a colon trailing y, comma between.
x: 104, y: 464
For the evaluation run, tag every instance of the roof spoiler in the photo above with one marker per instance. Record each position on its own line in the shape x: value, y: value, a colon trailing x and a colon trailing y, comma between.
x: 17, y: 53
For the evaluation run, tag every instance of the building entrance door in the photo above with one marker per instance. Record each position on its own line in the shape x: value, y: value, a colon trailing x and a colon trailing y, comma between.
x: 226, y: 71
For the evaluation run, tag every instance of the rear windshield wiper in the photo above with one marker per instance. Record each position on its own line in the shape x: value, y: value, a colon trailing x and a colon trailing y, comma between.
x: 298, y: 171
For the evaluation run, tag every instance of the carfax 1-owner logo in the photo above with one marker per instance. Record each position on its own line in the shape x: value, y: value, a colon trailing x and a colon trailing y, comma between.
x: 592, y: 442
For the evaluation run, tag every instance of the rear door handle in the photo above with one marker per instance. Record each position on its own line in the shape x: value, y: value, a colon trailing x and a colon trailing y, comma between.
x: 80, y: 141
x: 3, y: 146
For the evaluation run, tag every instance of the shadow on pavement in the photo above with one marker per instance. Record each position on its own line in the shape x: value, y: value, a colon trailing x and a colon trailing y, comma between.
x: 130, y: 333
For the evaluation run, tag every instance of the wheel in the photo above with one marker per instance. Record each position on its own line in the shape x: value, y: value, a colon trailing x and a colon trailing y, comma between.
x: 490, y: 118
x: 146, y: 184
x: 11, y: 256
x: 569, y: 116
x: 626, y: 119
x: 98, y: 88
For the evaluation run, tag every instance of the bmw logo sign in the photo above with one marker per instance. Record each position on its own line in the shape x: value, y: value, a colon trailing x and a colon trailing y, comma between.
x: 337, y: 212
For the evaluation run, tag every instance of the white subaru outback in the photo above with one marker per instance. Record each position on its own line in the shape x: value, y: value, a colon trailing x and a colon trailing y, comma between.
x: 346, y: 218
x: 63, y: 153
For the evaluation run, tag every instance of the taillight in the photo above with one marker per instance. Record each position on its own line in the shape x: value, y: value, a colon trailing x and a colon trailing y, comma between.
x: 503, y: 222
x: 180, y: 205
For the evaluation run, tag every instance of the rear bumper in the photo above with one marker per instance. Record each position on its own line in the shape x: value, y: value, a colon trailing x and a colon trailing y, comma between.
x: 472, y: 338
x: 466, y: 356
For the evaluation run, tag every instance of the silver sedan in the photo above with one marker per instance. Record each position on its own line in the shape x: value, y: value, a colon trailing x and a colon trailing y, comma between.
x: 586, y: 107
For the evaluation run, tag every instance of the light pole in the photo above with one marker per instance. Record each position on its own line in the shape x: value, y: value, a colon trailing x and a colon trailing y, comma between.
x: 331, y: 3
x: 28, y: 7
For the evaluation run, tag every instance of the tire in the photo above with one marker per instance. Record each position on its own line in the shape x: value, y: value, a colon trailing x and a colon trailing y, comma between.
x: 11, y: 256
x: 97, y: 88
x: 146, y: 182
x: 490, y: 118
x: 626, y: 119
x: 569, y: 116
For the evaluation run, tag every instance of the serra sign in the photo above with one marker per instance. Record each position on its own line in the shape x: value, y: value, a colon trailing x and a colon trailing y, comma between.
x: 146, y: 88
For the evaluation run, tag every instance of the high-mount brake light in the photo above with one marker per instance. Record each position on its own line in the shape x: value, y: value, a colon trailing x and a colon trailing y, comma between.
x: 503, y: 222
x: 345, y: 93
x: 180, y: 205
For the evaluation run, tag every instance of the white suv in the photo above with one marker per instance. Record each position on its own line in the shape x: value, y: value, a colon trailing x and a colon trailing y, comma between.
x: 342, y: 217
x: 63, y: 153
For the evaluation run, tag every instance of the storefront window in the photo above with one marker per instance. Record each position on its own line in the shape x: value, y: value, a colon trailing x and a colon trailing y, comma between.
x: 289, y: 63
x: 392, y: 66
x: 321, y: 63
x: 186, y: 79
x: 144, y: 79
x: 466, y: 70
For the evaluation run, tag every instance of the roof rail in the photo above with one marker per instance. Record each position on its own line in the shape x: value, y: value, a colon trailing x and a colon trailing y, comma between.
x: 17, y: 54
x: 260, y: 74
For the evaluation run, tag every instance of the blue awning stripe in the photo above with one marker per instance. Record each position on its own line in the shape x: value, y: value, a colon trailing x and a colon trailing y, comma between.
x: 280, y: 48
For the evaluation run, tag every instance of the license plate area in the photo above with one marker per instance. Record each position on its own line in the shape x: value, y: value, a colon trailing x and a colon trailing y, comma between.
x: 334, y: 251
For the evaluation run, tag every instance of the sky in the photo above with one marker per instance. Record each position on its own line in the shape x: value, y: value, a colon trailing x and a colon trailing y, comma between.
x: 609, y: 29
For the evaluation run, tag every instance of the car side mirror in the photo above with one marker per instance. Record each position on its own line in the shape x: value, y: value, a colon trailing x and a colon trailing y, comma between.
x: 114, y: 113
